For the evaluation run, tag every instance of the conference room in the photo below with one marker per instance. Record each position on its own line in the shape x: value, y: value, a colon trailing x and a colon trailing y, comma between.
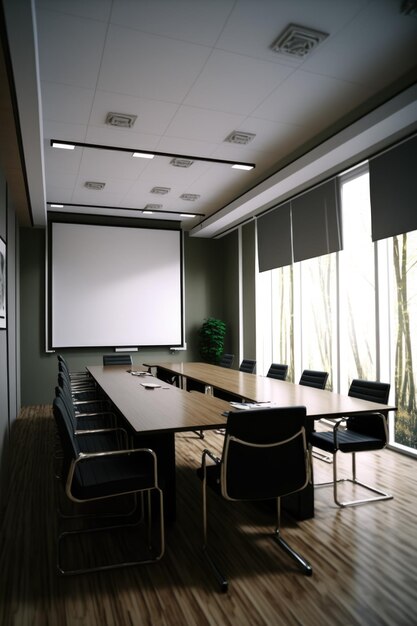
x: 166, y: 164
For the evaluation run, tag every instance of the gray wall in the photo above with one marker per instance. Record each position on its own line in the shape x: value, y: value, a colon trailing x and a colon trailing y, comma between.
x: 9, y: 338
x: 204, y: 268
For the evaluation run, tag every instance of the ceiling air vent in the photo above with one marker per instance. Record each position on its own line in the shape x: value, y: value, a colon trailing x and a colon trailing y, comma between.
x: 298, y: 41
x: 191, y: 197
x: 160, y: 190
x: 181, y: 162
x: 153, y: 207
x: 122, y: 120
x: 94, y: 185
x: 239, y: 137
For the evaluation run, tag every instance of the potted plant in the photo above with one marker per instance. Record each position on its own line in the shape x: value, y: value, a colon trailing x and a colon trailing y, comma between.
x: 212, y: 334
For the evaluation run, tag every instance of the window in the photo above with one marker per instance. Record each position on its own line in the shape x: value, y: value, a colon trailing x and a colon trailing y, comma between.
x: 351, y: 313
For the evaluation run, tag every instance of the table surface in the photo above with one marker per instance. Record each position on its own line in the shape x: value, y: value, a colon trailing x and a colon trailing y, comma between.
x: 163, y: 409
x: 319, y: 403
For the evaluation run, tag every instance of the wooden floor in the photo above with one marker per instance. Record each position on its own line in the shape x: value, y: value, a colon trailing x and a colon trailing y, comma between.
x: 364, y: 558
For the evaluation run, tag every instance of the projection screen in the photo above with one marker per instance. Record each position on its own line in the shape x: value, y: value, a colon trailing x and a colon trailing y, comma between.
x: 114, y: 286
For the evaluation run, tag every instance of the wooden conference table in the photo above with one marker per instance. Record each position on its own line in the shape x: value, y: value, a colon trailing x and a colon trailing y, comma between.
x: 156, y: 415
x: 252, y: 388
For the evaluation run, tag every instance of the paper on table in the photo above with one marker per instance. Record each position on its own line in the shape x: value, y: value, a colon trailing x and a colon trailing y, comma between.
x: 150, y: 385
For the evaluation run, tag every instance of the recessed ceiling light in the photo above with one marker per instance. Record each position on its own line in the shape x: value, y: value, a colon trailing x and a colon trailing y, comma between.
x: 147, y: 212
x: 190, y: 197
x: 121, y: 120
x: 56, y: 206
x: 93, y: 185
x: 143, y: 155
x: 160, y: 190
x: 187, y: 215
x: 239, y: 137
x: 238, y: 166
x: 63, y: 146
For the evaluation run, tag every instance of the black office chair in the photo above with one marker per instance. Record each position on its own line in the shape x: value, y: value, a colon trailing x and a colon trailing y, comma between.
x: 277, y: 371
x: 314, y: 378
x: 117, y: 359
x: 264, y: 456
x: 96, y: 430
x: 364, y: 432
x: 248, y: 366
x: 78, y: 381
x: 227, y: 360
x: 97, y: 476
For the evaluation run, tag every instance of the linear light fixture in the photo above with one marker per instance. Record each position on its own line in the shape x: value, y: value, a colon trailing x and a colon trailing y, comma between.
x: 143, y: 155
x: 56, y: 205
x: 150, y: 154
x: 241, y: 166
x: 63, y: 145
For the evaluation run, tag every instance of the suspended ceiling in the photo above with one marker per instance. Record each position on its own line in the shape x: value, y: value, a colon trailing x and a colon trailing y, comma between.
x: 193, y: 72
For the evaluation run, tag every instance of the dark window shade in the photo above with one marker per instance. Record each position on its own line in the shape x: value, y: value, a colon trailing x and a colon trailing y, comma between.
x: 316, y: 222
x: 274, y: 238
x: 393, y: 190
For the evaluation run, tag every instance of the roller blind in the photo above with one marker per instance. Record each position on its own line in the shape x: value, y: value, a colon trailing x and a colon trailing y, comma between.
x: 275, y: 238
x: 316, y: 222
x: 393, y: 190
x: 306, y: 227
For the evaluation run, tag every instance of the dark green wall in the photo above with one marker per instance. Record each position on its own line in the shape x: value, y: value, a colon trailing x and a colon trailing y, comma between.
x: 204, y: 268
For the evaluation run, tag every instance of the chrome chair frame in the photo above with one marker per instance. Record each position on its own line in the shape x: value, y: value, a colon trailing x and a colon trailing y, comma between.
x: 277, y: 537
x: 154, y: 487
x: 382, y: 495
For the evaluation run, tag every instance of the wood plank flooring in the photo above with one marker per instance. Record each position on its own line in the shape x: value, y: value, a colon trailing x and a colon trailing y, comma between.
x: 364, y: 559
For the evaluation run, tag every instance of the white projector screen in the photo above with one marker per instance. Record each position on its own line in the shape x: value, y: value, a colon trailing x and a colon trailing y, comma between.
x: 114, y: 286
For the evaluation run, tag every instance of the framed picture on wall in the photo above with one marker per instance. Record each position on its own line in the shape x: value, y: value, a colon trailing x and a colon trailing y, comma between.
x: 2, y: 283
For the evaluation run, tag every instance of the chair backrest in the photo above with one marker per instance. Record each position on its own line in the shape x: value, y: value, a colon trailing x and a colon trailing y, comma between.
x: 65, y: 397
x: 248, y: 366
x: 278, y: 371
x: 117, y: 359
x: 264, y: 453
x: 365, y: 423
x: 314, y: 378
x: 227, y: 360
x: 69, y: 442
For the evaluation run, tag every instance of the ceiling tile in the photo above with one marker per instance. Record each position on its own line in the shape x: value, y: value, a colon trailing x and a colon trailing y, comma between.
x: 148, y: 66
x: 70, y: 48
x: 198, y: 21
x: 235, y: 83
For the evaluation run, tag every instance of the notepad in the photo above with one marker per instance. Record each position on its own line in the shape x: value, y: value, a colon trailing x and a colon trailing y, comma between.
x: 150, y: 385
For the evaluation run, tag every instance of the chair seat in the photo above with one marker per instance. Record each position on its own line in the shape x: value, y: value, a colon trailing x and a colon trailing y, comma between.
x: 347, y: 441
x: 104, y: 476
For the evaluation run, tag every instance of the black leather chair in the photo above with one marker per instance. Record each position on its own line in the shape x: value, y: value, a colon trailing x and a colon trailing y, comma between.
x: 363, y: 433
x: 90, y: 477
x: 96, y: 430
x: 278, y: 371
x: 314, y: 378
x: 264, y: 457
x: 248, y: 366
x: 117, y: 359
x: 227, y: 360
x: 78, y: 381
